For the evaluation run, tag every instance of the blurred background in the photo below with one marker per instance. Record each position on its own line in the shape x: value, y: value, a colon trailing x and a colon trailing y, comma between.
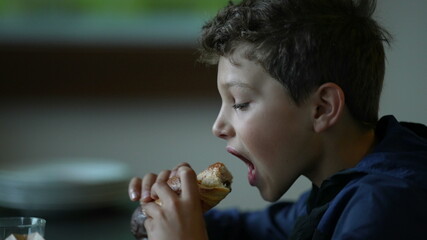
x: 117, y: 82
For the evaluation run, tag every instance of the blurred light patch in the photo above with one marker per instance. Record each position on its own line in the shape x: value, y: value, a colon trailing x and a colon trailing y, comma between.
x: 66, y: 184
x: 140, y: 22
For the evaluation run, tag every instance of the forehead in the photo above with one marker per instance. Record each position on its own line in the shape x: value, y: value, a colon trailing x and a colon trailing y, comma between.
x: 239, y: 70
x: 247, y: 77
x: 241, y: 51
x: 239, y: 59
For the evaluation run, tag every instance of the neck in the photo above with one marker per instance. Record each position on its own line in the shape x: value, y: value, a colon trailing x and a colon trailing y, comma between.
x: 344, y: 147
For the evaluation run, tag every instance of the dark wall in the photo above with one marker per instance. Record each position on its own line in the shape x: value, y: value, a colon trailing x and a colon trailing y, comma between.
x: 105, y: 71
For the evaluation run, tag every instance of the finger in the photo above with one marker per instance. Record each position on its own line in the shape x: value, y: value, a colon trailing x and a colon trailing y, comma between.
x: 175, y: 169
x: 188, y: 182
x: 151, y: 210
x: 161, y: 178
x: 134, y: 189
x: 147, y: 228
x: 147, y: 183
x: 162, y: 190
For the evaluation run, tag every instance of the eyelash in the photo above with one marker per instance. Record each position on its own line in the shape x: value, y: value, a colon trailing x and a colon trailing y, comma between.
x: 240, y: 106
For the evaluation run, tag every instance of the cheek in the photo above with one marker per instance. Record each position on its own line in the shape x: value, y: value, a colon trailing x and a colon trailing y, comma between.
x: 271, y: 152
x: 276, y: 143
x: 265, y: 139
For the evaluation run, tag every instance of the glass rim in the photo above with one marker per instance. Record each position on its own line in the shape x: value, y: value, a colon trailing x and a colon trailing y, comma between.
x: 21, y: 222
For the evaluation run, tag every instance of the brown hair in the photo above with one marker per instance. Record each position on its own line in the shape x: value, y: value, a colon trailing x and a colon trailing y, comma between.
x: 305, y: 43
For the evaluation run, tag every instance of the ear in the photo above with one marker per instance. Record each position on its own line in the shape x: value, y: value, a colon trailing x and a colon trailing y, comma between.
x: 329, y: 102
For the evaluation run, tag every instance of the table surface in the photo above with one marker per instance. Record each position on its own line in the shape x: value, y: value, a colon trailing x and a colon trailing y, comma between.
x: 107, y: 224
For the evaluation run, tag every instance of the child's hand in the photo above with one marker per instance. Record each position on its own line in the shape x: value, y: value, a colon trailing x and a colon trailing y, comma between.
x: 179, y: 216
x: 140, y: 189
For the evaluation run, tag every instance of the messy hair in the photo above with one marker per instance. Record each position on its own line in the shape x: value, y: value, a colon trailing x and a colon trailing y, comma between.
x: 305, y: 43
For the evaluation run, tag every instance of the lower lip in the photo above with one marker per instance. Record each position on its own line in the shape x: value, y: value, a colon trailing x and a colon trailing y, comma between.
x: 251, y: 174
x: 251, y: 167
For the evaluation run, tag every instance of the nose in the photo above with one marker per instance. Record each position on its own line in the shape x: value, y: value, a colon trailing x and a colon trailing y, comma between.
x: 221, y: 127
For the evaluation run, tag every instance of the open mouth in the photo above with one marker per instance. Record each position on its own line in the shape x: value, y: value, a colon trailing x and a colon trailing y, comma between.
x: 249, y: 164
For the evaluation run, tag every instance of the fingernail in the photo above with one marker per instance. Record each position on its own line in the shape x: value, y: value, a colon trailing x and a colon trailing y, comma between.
x: 146, y: 194
x: 133, y: 196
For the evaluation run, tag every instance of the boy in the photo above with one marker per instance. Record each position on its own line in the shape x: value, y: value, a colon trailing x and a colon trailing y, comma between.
x: 300, y: 82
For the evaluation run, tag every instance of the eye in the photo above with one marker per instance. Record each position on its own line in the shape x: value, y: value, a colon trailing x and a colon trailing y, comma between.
x: 240, y: 106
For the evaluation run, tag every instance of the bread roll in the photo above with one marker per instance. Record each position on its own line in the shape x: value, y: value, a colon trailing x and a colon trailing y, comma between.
x: 214, y: 185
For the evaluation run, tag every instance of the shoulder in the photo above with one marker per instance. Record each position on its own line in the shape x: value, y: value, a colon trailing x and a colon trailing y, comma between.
x: 385, y: 195
x: 378, y: 205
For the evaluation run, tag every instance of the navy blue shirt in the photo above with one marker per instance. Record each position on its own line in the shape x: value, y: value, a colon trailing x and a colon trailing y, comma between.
x: 383, y: 197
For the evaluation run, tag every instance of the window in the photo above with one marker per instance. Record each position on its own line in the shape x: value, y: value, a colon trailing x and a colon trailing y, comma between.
x: 105, y: 21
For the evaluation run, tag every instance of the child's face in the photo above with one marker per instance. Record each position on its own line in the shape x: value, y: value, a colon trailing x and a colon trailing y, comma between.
x: 263, y: 126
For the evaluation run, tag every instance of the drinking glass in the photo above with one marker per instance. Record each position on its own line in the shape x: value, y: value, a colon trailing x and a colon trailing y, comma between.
x: 22, y: 228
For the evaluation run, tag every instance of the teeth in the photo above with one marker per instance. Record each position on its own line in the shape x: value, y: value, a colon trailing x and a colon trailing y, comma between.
x: 251, y: 168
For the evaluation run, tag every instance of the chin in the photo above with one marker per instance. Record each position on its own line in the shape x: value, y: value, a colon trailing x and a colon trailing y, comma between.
x: 270, y: 196
x: 274, y: 194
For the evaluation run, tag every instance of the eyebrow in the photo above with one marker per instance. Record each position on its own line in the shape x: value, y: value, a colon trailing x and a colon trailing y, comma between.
x: 236, y: 83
